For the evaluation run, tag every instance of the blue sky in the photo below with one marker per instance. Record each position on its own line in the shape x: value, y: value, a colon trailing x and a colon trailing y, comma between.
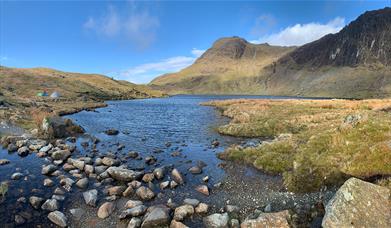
x: 137, y: 41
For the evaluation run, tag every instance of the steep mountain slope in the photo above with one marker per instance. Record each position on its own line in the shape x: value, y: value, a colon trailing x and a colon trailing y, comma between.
x: 228, y: 66
x: 19, y: 84
x: 353, y: 63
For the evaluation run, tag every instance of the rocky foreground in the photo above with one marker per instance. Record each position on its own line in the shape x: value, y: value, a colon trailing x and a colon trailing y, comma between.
x: 105, y: 181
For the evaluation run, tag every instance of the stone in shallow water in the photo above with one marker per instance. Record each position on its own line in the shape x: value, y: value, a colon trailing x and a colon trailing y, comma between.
x: 202, y: 208
x: 122, y: 174
x: 360, y: 204
x: 48, y: 183
x: 133, y: 203
x: 192, y: 202
x: 16, y: 176
x: 195, y: 170
x: 35, y: 201
x: 203, y: 189
x: 82, y: 183
x: 48, y: 169
x: 134, y: 223
x: 4, y: 161
x: 58, y: 218
x: 133, y: 212
x: 183, y: 211
x: 177, y: 176
x: 159, y: 173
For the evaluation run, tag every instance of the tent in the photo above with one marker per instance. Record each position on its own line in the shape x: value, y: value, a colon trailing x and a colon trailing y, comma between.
x: 55, y: 94
x: 42, y: 94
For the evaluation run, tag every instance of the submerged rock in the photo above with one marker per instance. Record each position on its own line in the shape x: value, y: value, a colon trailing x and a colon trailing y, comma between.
x: 360, y: 204
x: 58, y: 218
x: 277, y: 219
x: 49, y: 169
x: 112, y: 131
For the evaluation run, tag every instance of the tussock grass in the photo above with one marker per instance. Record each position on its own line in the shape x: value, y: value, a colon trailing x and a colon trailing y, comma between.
x: 330, y: 141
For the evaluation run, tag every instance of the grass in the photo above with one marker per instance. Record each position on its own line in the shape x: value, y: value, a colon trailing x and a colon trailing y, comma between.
x: 324, y: 143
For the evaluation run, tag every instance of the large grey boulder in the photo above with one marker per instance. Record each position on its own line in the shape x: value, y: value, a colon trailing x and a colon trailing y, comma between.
x: 277, y: 219
x: 359, y: 204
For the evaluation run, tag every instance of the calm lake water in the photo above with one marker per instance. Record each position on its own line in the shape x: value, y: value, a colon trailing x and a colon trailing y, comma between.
x: 153, y: 127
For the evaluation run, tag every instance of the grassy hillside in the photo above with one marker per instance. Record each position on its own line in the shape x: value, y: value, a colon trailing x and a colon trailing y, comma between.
x: 314, y: 143
x: 19, y: 89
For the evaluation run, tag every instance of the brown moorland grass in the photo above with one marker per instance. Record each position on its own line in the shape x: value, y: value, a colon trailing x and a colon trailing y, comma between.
x: 314, y: 143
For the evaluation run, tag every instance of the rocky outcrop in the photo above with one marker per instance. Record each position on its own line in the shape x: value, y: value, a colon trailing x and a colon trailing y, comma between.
x: 359, y: 204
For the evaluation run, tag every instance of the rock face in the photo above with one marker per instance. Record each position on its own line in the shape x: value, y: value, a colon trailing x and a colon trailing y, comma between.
x: 278, y: 219
x: 122, y: 174
x: 360, y: 204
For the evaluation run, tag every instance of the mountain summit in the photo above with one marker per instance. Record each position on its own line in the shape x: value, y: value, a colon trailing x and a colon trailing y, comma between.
x: 354, y: 63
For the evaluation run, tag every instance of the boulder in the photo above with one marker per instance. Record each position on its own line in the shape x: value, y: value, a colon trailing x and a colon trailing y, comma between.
x: 277, y: 219
x: 360, y: 204
x: 216, y: 221
x: 57, y: 127
x: 122, y: 174
x: 156, y: 216
x: 58, y: 218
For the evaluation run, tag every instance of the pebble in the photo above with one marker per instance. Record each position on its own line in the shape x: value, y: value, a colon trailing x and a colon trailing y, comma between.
x: 16, y: 176
x: 35, y: 201
x: 203, y: 189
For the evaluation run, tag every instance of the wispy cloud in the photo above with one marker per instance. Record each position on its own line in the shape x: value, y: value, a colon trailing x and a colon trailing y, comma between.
x: 144, y: 73
x: 262, y: 24
x: 300, y: 34
x: 137, y: 25
x: 4, y: 58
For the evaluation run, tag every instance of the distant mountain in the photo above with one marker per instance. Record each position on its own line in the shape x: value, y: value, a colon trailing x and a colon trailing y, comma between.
x: 24, y: 83
x: 225, y: 67
x: 355, y: 63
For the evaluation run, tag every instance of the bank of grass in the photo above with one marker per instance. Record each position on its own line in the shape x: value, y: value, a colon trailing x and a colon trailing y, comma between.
x: 314, y: 143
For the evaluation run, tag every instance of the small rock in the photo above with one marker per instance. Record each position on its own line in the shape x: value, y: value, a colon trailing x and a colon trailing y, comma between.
x: 23, y: 151
x: 177, y: 176
x: 61, y: 155
x: 205, y: 179
x: 145, y: 193
x: 35, y: 201
x: 176, y: 224
x: 78, y: 164
x: 173, y: 184
x: 110, y: 161
x: 48, y: 182
x: 132, y: 154
x: 50, y: 205
x: 116, y: 190
x: 12, y: 148
x: 203, y: 189
x: 192, y: 202
x: 202, y: 208
x: 4, y: 161
x: 156, y: 216
x: 112, y: 131
x: 148, y: 177
x: 159, y: 173
x: 90, y: 197
x: 16, y: 176
x: 150, y: 160
x: 82, y: 183
x: 128, y: 191
x: 195, y: 170
x: 216, y: 220
x: 133, y: 203
x: 134, y: 223
x: 105, y: 210
x: 164, y: 185
x: 58, y: 218
x: 48, y: 169
x: 122, y: 174
x: 19, y: 220
x: 133, y: 212
x: 89, y: 169
x: 278, y: 219
x: 77, y: 213
x: 183, y: 211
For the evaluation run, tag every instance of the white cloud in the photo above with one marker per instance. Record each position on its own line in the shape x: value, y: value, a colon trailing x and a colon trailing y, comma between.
x: 197, y: 52
x: 144, y: 73
x: 300, y: 34
x: 137, y: 26
x: 4, y: 58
